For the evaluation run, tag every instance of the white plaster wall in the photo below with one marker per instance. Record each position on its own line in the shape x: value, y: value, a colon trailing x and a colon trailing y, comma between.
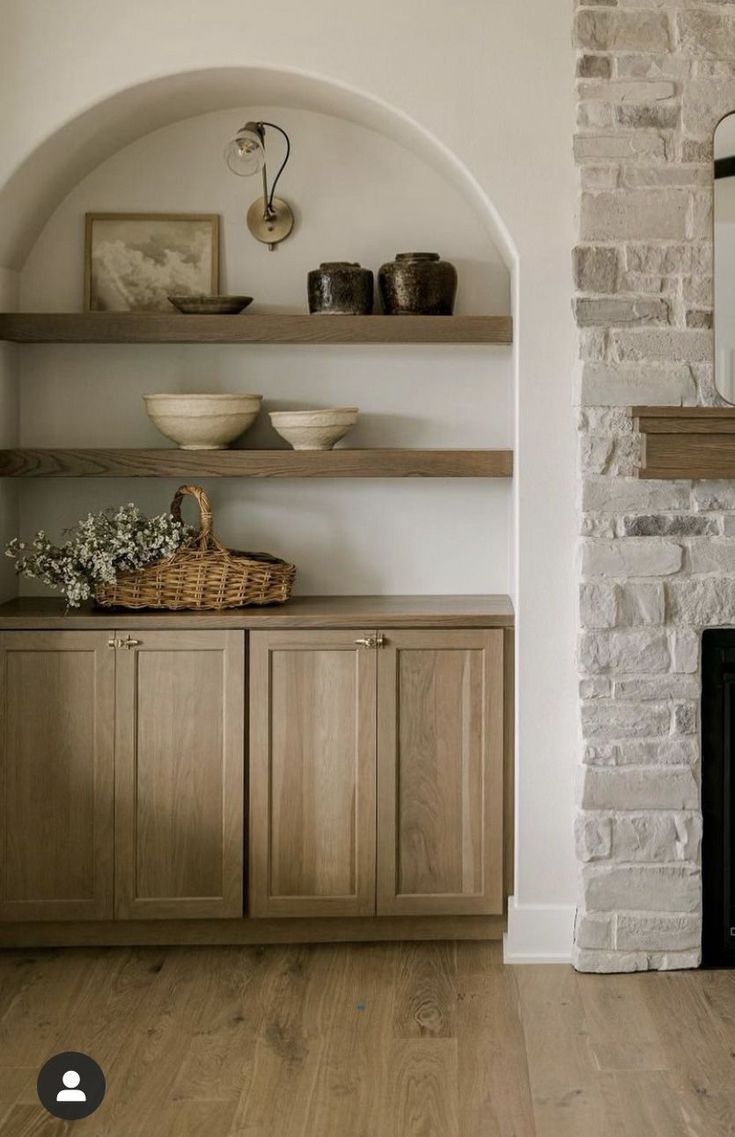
x: 9, y: 432
x: 358, y: 196
x: 491, y: 81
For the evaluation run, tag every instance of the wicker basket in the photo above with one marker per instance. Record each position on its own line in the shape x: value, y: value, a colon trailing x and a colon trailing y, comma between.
x: 201, y: 574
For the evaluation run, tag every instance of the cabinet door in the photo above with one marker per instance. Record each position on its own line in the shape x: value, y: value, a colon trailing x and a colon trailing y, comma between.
x: 440, y: 773
x: 312, y: 774
x: 179, y: 775
x: 56, y: 774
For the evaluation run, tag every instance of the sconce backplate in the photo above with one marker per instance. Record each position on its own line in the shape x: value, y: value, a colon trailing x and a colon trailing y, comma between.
x: 270, y: 230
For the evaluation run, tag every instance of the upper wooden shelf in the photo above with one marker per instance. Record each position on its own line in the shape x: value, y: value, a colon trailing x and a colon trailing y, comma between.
x: 486, y: 611
x: 686, y: 442
x: 136, y: 327
x: 174, y: 463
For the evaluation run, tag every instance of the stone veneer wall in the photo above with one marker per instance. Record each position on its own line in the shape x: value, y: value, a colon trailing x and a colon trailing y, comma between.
x: 658, y: 558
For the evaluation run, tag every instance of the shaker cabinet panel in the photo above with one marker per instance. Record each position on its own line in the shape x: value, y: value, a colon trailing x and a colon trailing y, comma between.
x: 180, y: 775
x: 440, y: 762
x: 312, y: 774
x: 56, y: 759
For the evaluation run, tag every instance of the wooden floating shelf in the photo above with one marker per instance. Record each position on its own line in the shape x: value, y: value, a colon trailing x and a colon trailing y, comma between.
x: 136, y: 327
x: 173, y: 463
x: 686, y: 442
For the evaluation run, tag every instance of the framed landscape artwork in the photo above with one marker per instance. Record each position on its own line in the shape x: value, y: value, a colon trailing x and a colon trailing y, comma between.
x: 134, y: 261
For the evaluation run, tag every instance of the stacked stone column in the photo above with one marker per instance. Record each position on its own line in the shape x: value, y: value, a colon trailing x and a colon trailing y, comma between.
x: 657, y: 559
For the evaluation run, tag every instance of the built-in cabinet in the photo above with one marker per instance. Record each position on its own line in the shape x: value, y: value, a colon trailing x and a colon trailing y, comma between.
x: 122, y: 761
x: 376, y: 773
x: 57, y: 776
x: 179, y: 774
x: 168, y: 773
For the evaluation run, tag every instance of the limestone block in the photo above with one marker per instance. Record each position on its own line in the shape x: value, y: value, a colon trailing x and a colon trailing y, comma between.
x: 641, y: 888
x: 613, y: 495
x: 685, y: 652
x: 609, y: 962
x: 631, y: 556
x: 595, y: 932
x: 712, y: 555
x: 629, y: 214
x: 613, y: 30
x: 651, y: 837
x: 649, y: 752
x: 655, y: 933
x: 593, y: 837
x: 620, y: 312
x: 669, y: 525
x: 650, y: 384
x: 624, y: 788
x: 657, y: 687
x: 703, y: 32
x: 622, y: 720
x: 610, y: 454
x: 620, y: 605
x: 620, y: 146
x: 624, y: 651
x: 703, y: 601
x: 656, y: 344
x: 595, y: 268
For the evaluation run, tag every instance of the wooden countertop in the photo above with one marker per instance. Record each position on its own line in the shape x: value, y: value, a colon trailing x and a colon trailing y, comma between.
x: 300, y: 612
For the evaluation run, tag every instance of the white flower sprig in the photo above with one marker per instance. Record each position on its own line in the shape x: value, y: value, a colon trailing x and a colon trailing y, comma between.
x: 97, y: 548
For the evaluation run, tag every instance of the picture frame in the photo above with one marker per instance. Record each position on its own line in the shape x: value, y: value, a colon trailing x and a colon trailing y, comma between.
x: 133, y: 261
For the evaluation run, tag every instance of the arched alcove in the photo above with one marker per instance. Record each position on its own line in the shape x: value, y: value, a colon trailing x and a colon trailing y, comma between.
x: 416, y: 406
x: 63, y: 159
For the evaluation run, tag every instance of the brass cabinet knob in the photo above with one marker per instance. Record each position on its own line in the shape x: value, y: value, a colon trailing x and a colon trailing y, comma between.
x: 373, y: 640
x: 128, y: 642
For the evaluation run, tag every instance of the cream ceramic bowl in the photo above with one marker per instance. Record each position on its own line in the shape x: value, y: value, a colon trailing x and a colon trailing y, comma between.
x: 202, y: 422
x: 314, y: 430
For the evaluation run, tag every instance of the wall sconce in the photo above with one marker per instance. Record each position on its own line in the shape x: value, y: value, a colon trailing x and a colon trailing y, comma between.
x: 270, y: 219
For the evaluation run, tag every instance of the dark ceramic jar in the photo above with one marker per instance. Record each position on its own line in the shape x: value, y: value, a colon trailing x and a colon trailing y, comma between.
x: 341, y: 288
x: 418, y: 284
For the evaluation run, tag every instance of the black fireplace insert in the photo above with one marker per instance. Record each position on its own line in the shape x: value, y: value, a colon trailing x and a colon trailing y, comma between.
x: 718, y: 796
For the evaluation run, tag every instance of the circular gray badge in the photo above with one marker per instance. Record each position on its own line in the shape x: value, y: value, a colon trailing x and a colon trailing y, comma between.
x: 70, y: 1085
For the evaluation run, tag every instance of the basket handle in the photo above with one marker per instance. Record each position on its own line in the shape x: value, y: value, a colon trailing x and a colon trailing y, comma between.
x: 205, y: 511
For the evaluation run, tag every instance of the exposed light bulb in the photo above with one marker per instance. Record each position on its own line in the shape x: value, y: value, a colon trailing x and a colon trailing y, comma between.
x: 245, y: 153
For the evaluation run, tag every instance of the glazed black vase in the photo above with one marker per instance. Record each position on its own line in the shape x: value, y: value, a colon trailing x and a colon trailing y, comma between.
x: 418, y: 284
x: 341, y: 288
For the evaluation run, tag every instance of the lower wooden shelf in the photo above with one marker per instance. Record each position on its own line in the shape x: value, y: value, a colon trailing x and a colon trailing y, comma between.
x: 172, y: 463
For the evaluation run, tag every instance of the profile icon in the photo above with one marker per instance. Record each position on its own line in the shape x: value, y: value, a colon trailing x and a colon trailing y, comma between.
x: 71, y: 1085
x: 71, y: 1091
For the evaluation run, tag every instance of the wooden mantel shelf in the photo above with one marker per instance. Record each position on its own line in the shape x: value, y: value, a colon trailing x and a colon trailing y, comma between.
x: 174, y: 463
x: 484, y: 611
x: 686, y: 442
x: 138, y: 327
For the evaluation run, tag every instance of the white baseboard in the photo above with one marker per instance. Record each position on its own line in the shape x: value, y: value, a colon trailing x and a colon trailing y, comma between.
x: 539, y: 933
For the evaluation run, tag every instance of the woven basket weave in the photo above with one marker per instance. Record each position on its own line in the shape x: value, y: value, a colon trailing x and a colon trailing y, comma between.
x: 201, y: 574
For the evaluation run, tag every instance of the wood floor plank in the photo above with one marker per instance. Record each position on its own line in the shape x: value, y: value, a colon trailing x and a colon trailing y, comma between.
x: 425, y: 1004
x: 421, y: 1097
x: 280, y: 1079
x: 571, y: 1096
x: 494, y: 1090
x: 693, y: 1046
x: 355, y: 1058
x: 33, y: 1121
x: 650, y: 1105
x: 622, y: 1032
x: 220, y: 1054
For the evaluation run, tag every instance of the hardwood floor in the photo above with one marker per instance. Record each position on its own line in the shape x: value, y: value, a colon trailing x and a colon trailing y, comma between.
x: 388, y: 1040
